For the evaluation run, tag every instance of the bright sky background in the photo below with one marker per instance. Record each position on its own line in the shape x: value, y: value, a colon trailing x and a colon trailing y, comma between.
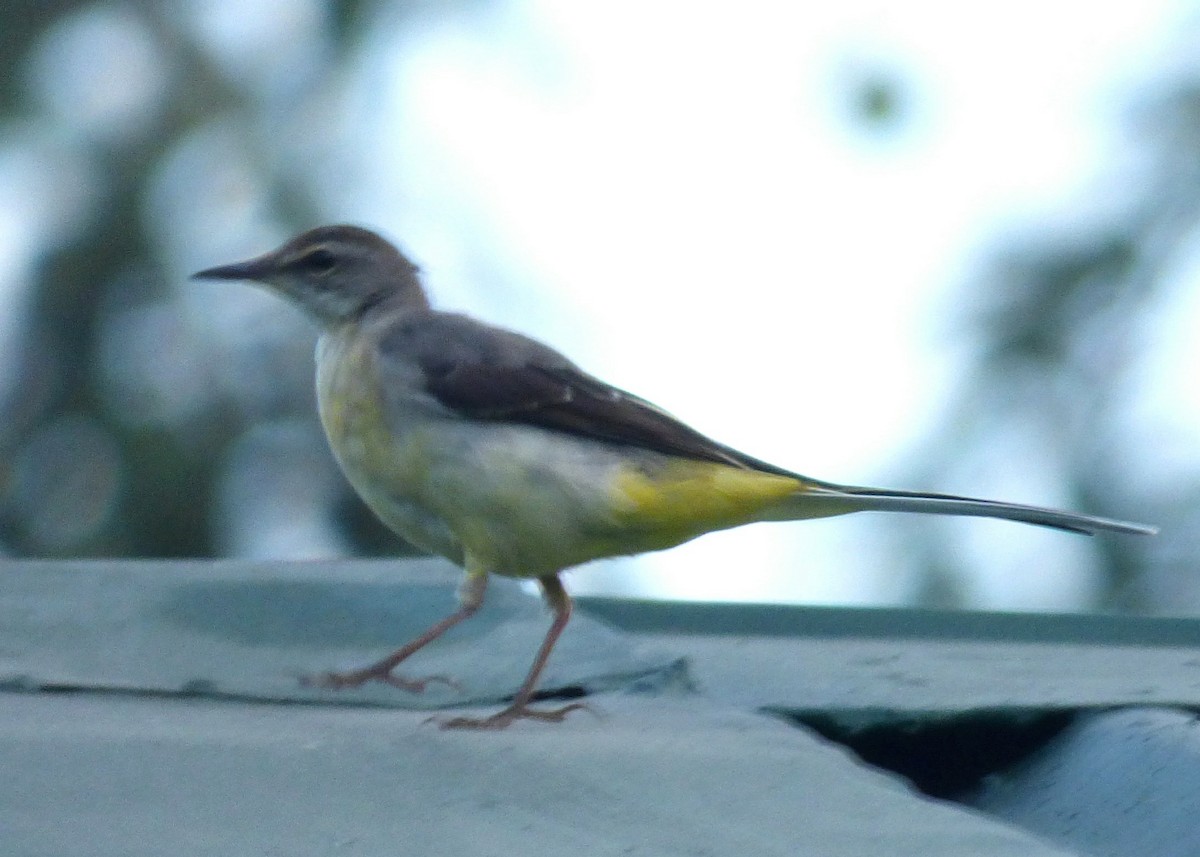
x: 677, y: 196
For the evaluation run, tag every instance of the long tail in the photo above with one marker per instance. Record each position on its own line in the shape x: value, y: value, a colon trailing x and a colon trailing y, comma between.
x: 839, y: 499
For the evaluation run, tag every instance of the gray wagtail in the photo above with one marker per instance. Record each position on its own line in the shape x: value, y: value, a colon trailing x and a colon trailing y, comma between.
x: 499, y: 453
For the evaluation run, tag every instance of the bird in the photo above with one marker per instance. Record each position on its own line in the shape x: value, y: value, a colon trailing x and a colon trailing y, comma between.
x: 497, y: 452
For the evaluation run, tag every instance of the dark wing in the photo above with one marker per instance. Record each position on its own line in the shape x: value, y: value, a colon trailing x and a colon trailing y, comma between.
x: 486, y: 373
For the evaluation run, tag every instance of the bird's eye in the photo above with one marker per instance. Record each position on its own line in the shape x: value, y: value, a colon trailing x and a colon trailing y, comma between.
x: 318, y: 261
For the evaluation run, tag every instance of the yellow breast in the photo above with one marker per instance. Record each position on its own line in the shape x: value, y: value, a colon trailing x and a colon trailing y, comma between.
x: 388, y: 468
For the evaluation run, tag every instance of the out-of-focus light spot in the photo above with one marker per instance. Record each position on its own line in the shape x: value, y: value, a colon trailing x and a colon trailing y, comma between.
x: 207, y: 199
x: 274, y: 496
x: 259, y: 348
x: 267, y: 44
x: 48, y: 187
x: 151, y: 372
x: 101, y: 73
x: 66, y: 483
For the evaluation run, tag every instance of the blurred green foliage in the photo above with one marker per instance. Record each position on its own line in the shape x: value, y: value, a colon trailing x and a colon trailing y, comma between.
x: 151, y: 486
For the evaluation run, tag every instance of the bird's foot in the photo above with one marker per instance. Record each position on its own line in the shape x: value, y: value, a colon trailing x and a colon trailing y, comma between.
x: 357, y: 678
x: 503, y: 719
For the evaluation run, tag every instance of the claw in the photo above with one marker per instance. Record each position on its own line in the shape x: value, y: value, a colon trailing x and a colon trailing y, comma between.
x: 357, y: 678
x: 503, y: 719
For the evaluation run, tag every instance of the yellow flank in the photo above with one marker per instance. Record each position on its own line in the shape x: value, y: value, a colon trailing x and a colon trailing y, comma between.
x: 678, y: 499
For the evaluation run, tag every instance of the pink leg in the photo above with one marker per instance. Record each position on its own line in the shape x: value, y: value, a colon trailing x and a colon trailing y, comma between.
x: 560, y: 602
x: 470, y: 597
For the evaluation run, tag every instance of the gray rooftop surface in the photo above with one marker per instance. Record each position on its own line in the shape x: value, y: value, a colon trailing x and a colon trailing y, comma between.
x: 155, y: 707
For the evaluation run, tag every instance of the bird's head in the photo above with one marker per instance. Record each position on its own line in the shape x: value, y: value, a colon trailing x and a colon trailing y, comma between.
x: 335, y: 273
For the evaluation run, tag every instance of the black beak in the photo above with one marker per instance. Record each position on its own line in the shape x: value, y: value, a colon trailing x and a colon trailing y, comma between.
x: 253, y: 269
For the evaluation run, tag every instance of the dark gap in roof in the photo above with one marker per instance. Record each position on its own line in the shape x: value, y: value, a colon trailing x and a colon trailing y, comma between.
x: 567, y: 692
x: 944, y: 755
